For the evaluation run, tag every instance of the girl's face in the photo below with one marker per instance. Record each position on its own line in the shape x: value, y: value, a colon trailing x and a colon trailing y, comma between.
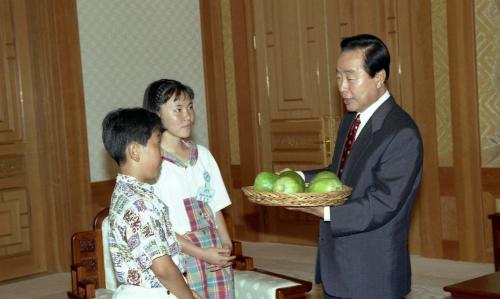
x: 178, y: 116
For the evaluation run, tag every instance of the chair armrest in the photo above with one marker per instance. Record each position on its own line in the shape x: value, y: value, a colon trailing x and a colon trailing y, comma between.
x: 264, y: 284
x: 237, y: 248
x: 297, y: 291
x: 241, y: 262
x: 297, y: 280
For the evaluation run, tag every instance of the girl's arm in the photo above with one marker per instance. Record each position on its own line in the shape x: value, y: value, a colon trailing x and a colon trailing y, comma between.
x: 222, y: 230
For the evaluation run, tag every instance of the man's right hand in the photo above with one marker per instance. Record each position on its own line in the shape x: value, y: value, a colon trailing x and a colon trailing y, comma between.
x: 283, y: 170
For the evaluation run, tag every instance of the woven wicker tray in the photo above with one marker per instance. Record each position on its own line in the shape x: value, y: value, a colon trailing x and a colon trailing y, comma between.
x: 333, y: 198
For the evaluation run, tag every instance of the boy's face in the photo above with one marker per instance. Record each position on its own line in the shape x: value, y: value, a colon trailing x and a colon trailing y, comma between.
x: 150, y: 157
x: 178, y: 116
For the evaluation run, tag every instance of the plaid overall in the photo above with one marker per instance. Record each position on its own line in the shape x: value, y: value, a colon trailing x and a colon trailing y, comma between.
x: 207, y: 284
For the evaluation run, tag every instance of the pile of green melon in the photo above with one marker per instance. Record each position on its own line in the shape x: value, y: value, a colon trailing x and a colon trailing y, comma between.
x: 291, y: 182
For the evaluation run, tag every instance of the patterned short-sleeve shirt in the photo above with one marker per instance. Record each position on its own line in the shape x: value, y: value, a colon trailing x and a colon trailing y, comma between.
x: 140, y: 231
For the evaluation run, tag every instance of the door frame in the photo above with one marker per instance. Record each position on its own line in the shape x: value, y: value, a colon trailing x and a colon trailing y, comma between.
x: 216, y: 97
x: 246, y: 217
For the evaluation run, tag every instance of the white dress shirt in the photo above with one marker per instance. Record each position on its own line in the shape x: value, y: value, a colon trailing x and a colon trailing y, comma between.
x: 363, y: 117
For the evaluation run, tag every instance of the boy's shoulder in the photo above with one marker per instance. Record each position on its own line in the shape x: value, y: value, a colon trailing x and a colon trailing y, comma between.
x: 130, y: 194
x: 122, y: 202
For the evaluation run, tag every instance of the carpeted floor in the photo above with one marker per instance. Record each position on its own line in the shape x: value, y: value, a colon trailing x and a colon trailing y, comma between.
x: 50, y: 286
x: 429, y: 275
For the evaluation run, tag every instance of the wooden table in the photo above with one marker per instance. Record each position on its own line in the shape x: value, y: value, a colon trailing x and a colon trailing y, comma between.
x: 495, y: 222
x: 487, y: 286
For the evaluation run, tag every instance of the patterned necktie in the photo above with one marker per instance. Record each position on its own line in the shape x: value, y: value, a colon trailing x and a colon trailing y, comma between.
x: 348, y: 145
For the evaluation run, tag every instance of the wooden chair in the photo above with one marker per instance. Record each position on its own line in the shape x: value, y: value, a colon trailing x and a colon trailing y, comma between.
x: 87, y: 265
x: 91, y: 277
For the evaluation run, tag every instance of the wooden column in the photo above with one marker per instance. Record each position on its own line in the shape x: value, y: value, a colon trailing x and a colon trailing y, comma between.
x: 215, y: 93
x: 247, y: 224
x: 61, y: 125
x: 465, y: 124
x: 215, y: 85
x: 417, y: 89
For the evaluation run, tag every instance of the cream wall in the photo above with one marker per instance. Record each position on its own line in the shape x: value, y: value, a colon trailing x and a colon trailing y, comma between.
x: 488, y: 78
x: 126, y: 44
x: 487, y: 21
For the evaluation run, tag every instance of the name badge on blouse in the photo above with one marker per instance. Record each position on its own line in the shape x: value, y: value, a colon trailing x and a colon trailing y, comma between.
x: 206, y: 192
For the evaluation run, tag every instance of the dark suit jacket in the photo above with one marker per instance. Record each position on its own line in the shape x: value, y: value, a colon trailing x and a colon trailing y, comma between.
x: 363, y: 250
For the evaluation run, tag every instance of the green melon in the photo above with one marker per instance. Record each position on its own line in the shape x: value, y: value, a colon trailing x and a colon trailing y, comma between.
x: 264, y: 181
x: 325, y: 185
x: 293, y: 175
x: 287, y: 184
x: 325, y: 174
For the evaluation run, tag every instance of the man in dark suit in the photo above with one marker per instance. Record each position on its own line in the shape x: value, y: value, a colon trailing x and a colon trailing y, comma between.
x: 363, y: 244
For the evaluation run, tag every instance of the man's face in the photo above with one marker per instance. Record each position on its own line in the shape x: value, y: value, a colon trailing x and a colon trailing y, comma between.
x: 357, y: 88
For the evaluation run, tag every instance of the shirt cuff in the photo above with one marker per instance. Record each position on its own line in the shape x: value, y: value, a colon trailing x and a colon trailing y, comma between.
x: 326, y: 214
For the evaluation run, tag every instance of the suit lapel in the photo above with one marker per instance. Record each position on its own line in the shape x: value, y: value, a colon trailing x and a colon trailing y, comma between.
x: 365, y: 138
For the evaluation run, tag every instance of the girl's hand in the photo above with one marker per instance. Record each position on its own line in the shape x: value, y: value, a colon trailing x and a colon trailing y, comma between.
x: 215, y: 256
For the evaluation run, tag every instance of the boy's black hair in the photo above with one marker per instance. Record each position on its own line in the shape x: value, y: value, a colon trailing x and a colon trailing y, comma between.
x: 160, y: 91
x: 124, y: 126
x: 377, y: 55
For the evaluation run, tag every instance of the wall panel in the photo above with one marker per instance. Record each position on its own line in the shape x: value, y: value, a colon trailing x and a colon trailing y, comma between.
x: 125, y: 45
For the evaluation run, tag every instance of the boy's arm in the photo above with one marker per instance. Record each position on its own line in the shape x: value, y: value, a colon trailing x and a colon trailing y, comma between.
x: 170, y: 276
x: 220, y: 257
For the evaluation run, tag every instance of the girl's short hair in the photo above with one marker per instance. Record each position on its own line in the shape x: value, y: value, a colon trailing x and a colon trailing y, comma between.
x: 160, y: 91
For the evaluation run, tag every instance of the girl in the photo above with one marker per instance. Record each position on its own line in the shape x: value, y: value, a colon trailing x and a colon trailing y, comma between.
x: 191, y: 185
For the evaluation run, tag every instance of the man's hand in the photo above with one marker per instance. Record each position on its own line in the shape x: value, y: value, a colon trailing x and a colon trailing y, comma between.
x: 283, y: 170
x: 316, y: 211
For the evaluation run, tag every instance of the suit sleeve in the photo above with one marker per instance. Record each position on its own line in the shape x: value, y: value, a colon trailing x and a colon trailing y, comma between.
x: 388, y: 184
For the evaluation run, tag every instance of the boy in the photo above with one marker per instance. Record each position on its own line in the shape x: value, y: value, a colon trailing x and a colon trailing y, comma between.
x: 145, y: 252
